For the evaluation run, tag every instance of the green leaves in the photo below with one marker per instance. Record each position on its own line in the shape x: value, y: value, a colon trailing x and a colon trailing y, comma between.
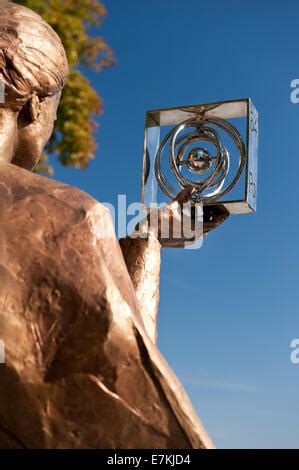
x: 73, y: 141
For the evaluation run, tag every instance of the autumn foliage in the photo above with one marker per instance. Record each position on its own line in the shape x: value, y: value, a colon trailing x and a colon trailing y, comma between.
x: 77, y: 23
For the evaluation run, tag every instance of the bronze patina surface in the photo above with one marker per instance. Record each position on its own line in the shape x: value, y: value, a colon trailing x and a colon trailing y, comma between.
x: 80, y: 369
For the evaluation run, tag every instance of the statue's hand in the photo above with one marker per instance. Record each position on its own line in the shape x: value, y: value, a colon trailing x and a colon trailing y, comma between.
x: 171, y: 215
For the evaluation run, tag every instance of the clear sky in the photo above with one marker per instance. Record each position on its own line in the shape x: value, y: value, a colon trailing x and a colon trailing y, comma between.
x: 228, y: 311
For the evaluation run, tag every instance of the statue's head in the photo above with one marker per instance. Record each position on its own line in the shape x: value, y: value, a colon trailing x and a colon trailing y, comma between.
x: 33, y: 70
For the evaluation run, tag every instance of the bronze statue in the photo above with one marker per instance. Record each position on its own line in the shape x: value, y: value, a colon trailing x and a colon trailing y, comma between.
x: 82, y: 369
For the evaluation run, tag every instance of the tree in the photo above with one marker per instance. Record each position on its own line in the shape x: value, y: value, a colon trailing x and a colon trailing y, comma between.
x: 73, y: 140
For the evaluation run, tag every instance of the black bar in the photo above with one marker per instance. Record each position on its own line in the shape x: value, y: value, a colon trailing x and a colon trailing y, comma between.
x: 150, y: 458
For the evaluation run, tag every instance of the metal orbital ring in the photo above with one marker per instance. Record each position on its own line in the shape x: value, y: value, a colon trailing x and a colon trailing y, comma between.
x: 211, y: 171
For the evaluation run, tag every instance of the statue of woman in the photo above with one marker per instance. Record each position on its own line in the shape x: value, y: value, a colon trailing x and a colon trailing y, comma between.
x: 77, y: 309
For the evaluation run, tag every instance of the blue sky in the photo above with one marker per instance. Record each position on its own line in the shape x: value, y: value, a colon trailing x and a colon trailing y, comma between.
x: 228, y: 311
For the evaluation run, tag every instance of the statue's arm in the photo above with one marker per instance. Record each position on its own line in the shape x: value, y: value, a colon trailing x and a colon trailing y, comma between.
x: 143, y: 259
x: 142, y: 256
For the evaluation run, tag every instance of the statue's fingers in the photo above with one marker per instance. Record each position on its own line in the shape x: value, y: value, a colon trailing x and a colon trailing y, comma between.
x: 183, y: 197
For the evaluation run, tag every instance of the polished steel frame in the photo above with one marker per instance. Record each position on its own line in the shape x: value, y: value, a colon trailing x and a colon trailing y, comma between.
x: 242, y: 108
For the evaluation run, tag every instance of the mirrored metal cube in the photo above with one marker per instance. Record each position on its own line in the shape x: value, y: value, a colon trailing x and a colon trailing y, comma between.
x: 212, y: 147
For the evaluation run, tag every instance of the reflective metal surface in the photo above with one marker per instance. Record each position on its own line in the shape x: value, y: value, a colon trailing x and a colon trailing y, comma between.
x: 214, y: 168
x: 182, y: 155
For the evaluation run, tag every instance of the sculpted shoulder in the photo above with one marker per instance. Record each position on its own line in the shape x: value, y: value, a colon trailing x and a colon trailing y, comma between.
x: 17, y: 183
x: 60, y: 228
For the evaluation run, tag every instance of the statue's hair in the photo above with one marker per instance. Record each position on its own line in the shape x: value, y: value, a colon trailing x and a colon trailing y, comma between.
x: 32, y: 57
